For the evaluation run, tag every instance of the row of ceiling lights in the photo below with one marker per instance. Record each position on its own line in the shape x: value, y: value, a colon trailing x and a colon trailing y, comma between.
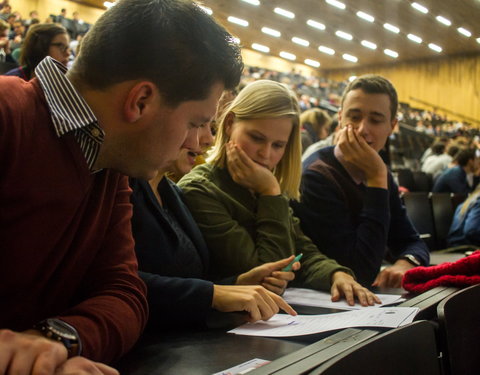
x: 339, y: 33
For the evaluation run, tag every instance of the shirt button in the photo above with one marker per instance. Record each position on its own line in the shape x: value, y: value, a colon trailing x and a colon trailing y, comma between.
x: 95, y: 132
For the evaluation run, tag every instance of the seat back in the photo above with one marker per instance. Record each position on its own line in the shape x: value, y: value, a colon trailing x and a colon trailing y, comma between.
x: 442, y: 209
x: 406, y: 350
x: 405, y: 179
x: 459, y: 321
x: 420, y: 213
x: 422, y: 181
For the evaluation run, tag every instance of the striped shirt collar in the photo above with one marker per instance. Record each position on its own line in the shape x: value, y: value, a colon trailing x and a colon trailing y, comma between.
x: 69, y: 111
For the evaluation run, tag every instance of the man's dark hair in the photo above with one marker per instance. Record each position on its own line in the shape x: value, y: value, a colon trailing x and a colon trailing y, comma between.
x: 375, y: 84
x: 172, y: 43
x: 464, y: 156
x: 438, y: 148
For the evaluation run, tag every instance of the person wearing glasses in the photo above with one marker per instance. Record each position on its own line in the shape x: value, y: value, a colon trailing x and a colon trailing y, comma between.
x: 42, y: 40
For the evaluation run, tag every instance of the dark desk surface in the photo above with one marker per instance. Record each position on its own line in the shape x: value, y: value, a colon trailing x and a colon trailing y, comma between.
x: 214, y: 350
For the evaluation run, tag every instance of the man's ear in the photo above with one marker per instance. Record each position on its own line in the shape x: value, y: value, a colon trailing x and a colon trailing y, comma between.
x: 394, y: 124
x: 139, y: 100
x: 229, y: 120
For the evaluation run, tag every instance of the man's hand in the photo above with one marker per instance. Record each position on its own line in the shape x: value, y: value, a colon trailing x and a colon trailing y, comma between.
x: 245, y: 172
x: 357, y: 151
x: 270, y: 275
x: 391, y: 277
x: 83, y: 366
x: 260, y: 303
x: 343, y: 285
x: 29, y: 353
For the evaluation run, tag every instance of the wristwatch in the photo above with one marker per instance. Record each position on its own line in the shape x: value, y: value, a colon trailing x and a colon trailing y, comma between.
x: 411, y: 259
x: 58, y: 330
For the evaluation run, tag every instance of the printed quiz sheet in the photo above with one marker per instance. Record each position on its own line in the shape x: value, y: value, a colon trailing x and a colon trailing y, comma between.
x: 282, y: 325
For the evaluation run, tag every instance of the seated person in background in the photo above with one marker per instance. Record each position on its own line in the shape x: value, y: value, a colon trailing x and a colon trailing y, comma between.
x: 239, y: 198
x: 43, y: 39
x: 465, y: 228
x: 329, y: 141
x: 459, y: 179
x: 349, y: 201
x: 69, y: 280
x: 314, y: 123
x: 438, y: 159
x: 173, y: 258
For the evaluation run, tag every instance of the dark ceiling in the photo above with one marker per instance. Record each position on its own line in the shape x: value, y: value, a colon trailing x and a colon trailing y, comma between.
x: 400, y: 13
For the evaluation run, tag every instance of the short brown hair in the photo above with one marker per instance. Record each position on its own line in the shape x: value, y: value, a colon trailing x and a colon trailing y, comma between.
x: 375, y: 84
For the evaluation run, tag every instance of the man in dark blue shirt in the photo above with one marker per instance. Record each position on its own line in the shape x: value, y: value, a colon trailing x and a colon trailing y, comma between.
x: 350, y: 205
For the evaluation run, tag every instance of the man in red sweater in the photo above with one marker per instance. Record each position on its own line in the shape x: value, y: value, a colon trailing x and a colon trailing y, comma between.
x: 69, y: 287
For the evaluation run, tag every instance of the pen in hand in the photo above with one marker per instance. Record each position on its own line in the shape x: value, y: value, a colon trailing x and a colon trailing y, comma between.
x: 289, y: 266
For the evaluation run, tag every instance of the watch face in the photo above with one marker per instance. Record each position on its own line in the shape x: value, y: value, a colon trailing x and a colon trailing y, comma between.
x: 61, y: 329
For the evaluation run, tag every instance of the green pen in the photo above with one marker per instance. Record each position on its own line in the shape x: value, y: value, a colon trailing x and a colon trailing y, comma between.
x: 296, y: 259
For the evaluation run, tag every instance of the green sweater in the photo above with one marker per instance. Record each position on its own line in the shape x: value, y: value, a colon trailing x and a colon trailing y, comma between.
x: 243, y: 231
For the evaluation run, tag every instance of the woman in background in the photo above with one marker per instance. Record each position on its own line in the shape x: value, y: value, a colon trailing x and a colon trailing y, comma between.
x: 314, y: 123
x: 465, y: 228
x: 43, y: 39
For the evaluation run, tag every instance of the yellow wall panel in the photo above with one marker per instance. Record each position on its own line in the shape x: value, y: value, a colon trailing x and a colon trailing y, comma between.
x: 451, y: 85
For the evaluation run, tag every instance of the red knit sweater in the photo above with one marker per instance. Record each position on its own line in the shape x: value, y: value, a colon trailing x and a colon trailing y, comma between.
x: 66, y: 248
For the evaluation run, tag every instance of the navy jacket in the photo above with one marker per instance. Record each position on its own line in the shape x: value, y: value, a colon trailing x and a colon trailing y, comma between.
x: 352, y: 223
x: 453, y: 180
x: 175, y: 298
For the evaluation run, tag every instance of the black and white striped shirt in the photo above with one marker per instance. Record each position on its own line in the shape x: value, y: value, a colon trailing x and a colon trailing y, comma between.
x: 69, y: 111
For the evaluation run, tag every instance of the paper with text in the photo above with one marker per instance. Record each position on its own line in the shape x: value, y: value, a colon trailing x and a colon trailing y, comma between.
x: 282, y: 325
x: 315, y: 298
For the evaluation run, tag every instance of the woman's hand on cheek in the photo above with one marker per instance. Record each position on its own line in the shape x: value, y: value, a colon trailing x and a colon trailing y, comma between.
x: 245, y: 172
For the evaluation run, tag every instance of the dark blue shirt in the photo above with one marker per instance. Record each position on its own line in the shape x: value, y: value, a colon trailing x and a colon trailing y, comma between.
x: 356, y: 225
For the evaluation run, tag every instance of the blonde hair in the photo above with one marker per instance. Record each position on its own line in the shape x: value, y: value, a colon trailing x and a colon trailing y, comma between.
x: 317, y: 118
x: 266, y: 99
x: 472, y: 198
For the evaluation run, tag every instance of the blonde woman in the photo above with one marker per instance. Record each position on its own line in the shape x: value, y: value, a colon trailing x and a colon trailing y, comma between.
x: 465, y: 228
x: 239, y: 198
x: 314, y: 124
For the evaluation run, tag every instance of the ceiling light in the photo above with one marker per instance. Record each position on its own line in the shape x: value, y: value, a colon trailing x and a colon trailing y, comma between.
x: 316, y: 24
x: 414, y: 38
x: 260, y: 47
x: 287, y: 55
x: 206, y: 9
x: 285, y: 13
x: 368, y: 44
x: 253, y: 2
x: 348, y: 57
x: 313, y: 63
x: 365, y: 16
x: 393, y: 29
x: 478, y: 40
x: 390, y: 53
x: 326, y: 50
x: 300, y: 41
x: 336, y: 4
x: 465, y: 32
x: 109, y: 4
x: 419, y: 7
x: 443, y: 20
x: 435, y: 47
x: 352, y: 78
x: 343, y: 35
x: 272, y: 32
x: 237, y: 21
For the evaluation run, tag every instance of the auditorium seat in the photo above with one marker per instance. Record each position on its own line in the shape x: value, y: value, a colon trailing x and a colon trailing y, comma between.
x: 459, y: 331
x: 410, y: 349
x: 420, y: 213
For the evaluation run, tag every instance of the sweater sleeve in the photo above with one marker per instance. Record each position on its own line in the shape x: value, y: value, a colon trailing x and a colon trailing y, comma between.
x: 112, y: 310
x: 176, y: 301
x: 357, y: 243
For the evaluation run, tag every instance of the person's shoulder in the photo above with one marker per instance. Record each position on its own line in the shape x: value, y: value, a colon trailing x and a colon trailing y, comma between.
x: 202, y: 174
x: 324, y: 154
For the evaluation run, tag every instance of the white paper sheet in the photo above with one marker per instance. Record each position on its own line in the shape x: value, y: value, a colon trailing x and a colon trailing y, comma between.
x: 282, y: 325
x: 315, y: 298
